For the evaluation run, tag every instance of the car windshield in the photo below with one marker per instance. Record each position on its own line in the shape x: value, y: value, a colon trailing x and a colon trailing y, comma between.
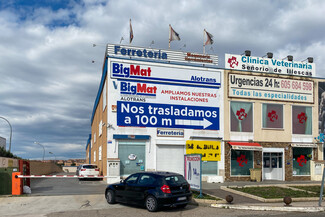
x: 175, y: 180
x: 89, y: 166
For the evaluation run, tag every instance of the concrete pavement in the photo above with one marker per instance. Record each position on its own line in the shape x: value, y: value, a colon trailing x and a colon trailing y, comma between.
x: 42, y: 205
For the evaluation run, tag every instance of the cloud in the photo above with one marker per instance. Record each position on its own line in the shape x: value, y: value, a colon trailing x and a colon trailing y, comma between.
x: 49, y: 83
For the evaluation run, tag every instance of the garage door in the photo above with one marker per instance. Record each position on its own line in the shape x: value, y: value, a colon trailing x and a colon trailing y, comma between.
x: 170, y: 158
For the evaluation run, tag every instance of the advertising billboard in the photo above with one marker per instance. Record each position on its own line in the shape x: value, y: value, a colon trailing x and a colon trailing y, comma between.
x: 266, y: 65
x: 193, y: 170
x: 321, y: 110
x: 210, y: 150
x: 166, y: 96
x: 270, y: 88
x: 154, y: 54
x: 157, y: 73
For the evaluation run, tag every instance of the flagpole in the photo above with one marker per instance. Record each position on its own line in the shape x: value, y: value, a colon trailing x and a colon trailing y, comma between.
x: 130, y: 33
x: 169, y: 36
x: 203, y: 42
x: 130, y: 40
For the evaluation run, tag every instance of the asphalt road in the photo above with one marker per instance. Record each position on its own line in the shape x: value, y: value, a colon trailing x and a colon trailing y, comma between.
x: 63, y: 197
x: 66, y: 186
x: 189, y: 211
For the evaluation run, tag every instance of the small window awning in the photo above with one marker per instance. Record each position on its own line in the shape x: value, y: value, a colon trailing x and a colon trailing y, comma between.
x: 304, y: 145
x: 249, y: 146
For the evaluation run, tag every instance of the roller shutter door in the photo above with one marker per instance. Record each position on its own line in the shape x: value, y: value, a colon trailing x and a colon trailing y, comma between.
x: 170, y: 158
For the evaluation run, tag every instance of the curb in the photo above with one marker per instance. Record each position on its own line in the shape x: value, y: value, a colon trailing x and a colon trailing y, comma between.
x: 270, y: 208
x: 294, y: 199
x: 206, y: 202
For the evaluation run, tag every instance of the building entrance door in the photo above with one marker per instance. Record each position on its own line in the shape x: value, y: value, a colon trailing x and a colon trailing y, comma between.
x: 272, y: 166
x: 132, y: 156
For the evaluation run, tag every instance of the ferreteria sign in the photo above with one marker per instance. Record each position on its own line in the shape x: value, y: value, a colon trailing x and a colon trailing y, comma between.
x: 266, y: 65
x: 153, y: 54
x: 270, y: 88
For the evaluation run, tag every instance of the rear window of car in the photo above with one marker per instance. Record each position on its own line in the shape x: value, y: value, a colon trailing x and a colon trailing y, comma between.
x: 175, y: 180
x: 89, y: 166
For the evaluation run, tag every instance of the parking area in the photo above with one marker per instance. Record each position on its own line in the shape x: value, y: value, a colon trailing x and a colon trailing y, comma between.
x: 66, y: 186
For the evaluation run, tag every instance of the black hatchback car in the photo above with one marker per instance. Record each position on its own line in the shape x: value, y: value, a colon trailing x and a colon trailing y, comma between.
x: 151, y: 189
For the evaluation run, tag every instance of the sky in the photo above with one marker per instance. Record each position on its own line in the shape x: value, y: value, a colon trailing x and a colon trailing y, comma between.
x: 50, y: 69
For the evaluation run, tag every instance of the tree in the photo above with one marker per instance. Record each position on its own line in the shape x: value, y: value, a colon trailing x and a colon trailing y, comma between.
x: 5, y: 153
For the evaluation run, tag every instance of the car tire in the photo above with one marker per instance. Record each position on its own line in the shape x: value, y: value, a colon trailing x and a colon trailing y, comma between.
x: 151, y: 203
x: 110, y: 197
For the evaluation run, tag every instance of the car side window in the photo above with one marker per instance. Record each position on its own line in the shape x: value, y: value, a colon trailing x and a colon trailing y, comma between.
x: 147, y: 180
x: 132, y: 179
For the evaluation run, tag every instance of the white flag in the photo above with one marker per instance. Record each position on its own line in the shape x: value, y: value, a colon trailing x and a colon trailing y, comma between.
x: 209, y: 38
x: 173, y: 35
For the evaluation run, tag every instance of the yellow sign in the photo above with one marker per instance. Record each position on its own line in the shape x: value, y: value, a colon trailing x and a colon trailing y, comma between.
x: 210, y: 150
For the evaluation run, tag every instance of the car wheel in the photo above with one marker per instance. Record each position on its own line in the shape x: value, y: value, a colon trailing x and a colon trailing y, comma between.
x: 151, y: 203
x: 110, y: 197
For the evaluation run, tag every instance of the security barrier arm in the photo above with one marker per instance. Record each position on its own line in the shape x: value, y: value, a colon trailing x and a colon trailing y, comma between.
x: 58, y: 176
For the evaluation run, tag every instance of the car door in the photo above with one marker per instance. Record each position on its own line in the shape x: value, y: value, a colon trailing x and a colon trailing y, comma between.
x: 130, y: 185
x: 146, y: 182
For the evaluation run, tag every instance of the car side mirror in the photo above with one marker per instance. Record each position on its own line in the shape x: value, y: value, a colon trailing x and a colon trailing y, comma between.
x: 122, y: 181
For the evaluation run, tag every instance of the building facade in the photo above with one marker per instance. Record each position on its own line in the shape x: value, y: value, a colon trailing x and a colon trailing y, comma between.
x: 155, y: 106
x: 3, y: 142
x: 272, y: 111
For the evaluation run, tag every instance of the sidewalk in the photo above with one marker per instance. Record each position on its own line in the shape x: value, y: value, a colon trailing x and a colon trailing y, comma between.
x: 246, y: 203
x: 43, y: 205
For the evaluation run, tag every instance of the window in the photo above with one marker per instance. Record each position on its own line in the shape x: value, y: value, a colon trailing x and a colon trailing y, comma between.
x: 241, y: 117
x: 132, y: 179
x: 104, y: 96
x: 241, y: 162
x: 175, y: 180
x: 94, y: 156
x: 210, y: 167
x: 89, y: 166
x: 302, y: 120
x: 147, y: 180
x: 100, y: 128
x: 94, y: 137
x: 272, y: 115
x: 100, y: 153
x: 301, y: 161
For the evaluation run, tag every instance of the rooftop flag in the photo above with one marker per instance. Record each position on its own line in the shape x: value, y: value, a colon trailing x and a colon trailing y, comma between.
x: 173, y: 35
x: 208, y: 41
x: 209, y: 38
x: 131, y: 32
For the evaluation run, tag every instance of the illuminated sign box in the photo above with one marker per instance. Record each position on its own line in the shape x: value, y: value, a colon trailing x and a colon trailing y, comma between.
x: 154, y: 54
x: 266, y: 65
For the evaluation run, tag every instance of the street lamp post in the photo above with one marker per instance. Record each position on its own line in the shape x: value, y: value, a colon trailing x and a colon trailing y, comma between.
x: 42, y: 147
x: 53, y: 154
x: 10, y: 132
